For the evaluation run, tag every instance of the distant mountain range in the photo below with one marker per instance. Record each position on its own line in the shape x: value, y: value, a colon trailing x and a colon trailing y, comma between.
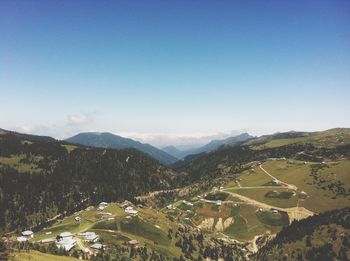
x: 213, y: 145
x: 109, y: 140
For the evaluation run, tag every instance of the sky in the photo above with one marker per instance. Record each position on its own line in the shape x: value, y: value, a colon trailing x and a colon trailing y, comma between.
x: 174, y: 72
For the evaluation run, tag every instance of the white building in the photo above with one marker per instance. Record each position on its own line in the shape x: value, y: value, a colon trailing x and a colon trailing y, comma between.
x: 276, y: 181
x: 102, y: 206
x: 187, y: 203
x: 131, y: 211
x: 77, y: 219
x: 133, y: 242
x: 66, y: 243
x: 98, y: 246
x: 28, y: 234
x: 89, y: 236
x: 22, y: 239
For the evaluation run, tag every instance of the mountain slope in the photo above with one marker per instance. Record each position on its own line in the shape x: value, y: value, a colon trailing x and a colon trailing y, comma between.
x: 41, y: 178
x: 320, y: 237
x: 173, y: 151
x: 315, y: 146
x: 213, y: 145
x: 109, y: 140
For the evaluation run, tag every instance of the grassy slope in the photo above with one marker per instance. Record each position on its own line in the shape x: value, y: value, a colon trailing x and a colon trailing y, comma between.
x: 321, y: 237
x: 120, y: 230
x: 325, y: 139
x: 38, y: 256
x: 259, y: 195
x: 298, y: 174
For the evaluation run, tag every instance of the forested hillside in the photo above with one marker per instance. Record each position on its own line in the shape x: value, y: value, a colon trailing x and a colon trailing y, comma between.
x: 230, y: 159
x: 41, y: 178
x: 109, y: 140
x: 320, y: 237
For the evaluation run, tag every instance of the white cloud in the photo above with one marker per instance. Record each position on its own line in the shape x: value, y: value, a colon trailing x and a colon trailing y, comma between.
x: 80, y: 119
x: 74, y: 124
x: 182, y: 141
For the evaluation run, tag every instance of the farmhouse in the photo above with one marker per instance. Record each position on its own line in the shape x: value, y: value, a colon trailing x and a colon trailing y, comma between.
x: 66, y: 243
x: 89, y: 236
x: 77, y: 219
x: 22, y: 239
x: 303, y: 194
x: 98, y: 246
x: 276, y: 182
x: 187, y: 203
x: 28, y: 234
x: 102, y: 206
x: 133, y: 242
x: 131, y: 211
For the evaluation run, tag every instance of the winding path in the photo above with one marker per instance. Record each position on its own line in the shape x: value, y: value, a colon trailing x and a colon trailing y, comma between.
x: 289, y: 186
x: 295, y: 213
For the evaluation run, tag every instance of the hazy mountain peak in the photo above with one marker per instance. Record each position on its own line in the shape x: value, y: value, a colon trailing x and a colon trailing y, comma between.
x: 109, y: 140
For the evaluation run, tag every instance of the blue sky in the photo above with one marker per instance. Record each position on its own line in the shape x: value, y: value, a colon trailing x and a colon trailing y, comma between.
x: 174, y: 68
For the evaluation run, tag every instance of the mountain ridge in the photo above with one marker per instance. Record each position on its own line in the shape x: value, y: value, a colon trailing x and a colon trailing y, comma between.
x: 109, y: 140
x: 212, y: 145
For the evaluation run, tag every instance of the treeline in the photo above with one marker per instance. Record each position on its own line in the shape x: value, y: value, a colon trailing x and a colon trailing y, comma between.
x: 195, y: 246
x: 64, y: 182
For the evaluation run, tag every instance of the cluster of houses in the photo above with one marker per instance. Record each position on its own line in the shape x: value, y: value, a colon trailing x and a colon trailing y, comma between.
x: 65, y: 240
x: 217, y: 188
x: 25, y: 236
x: 129, y: 208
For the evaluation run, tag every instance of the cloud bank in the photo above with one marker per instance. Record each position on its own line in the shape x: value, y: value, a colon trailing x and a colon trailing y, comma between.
x: 181, y: 141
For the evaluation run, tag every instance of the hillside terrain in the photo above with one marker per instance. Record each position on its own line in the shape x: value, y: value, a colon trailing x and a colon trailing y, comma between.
x: 278, y: 197
x: 211, y: 146
x: 41, y: 178
x: 232, y: 158
x: 320, y: 237
x: 109, y: 140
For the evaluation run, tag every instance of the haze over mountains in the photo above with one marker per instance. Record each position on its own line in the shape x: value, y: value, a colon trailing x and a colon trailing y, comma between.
x: 213, y: 145
x: 109, y: 140
x: 167, y: 156
x: 247, y: 190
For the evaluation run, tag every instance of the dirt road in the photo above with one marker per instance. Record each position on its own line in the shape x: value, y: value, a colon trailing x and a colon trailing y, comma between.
x: 295, y: 213
x: 289, y: 186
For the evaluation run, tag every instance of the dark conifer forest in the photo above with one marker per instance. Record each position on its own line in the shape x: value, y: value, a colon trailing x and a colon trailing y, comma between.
x: 59, y: 180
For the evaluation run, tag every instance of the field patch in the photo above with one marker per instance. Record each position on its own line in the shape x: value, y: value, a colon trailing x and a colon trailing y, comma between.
x: 273, y: 219
x: 141, y: 228
x: 217, y: 196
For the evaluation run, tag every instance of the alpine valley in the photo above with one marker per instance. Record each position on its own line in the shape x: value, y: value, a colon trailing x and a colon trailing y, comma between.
x: 98, y: 196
